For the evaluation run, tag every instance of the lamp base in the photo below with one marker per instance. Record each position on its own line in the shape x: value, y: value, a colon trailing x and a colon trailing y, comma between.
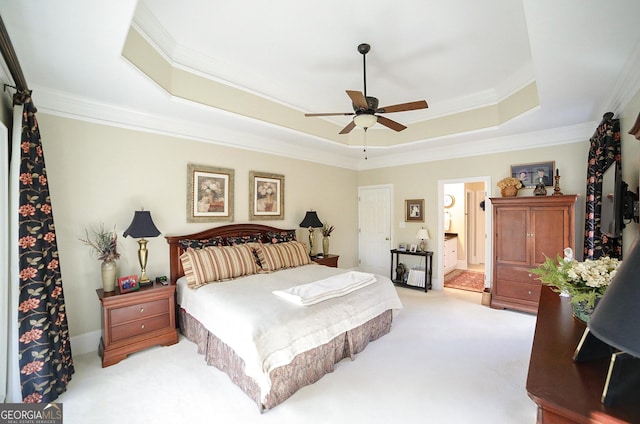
x: 144, y: 280
x: 623, y: 380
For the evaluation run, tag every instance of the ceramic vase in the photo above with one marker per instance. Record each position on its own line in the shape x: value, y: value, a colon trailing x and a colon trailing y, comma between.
x: 325, y: 245
x: 108, y: 269
x: 582, y: 311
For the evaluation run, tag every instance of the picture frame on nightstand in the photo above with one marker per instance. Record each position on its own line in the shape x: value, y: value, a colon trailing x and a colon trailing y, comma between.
x: 402, y: 247
x: 129, y: 283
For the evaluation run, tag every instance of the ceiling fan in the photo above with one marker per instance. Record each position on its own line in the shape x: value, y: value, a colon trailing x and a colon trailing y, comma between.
x: 365, y: 108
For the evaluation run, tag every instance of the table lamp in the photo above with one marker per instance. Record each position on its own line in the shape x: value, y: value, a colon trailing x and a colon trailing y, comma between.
x: 613, y: 331
x: 142, y: 226
x: 311, y: 221
x: 423, y: 234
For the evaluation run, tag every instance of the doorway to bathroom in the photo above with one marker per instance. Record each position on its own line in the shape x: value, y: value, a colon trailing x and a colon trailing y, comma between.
x: 464, y: 226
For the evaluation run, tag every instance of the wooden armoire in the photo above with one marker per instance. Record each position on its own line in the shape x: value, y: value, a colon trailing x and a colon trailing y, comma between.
x: 527, y: 230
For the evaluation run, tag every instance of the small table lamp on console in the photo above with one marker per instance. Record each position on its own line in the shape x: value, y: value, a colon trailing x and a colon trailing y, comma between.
x: 311, y: 221
x: 142, y: 226
x: 423, y: 234
x: 613, y: 331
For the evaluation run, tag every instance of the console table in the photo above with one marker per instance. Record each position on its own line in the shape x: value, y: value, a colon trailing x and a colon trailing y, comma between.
x: 395, y: 254
x: 565, y: 391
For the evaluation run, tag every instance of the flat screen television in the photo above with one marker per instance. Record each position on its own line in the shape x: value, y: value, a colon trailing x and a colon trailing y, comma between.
x: 614, y: 191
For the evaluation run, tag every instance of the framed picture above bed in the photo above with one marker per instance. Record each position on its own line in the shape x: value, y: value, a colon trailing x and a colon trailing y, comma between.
x: 266, y: 196
x: 209, y: 193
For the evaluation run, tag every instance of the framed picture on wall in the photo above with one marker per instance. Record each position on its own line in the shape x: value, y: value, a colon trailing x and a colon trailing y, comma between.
x: 414, y: 210
x: 531, y: 173
x: 209, y: 193
x: 266, y: 196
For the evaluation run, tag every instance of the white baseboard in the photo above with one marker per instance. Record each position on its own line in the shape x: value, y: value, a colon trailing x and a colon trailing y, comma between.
x: 85, y: 343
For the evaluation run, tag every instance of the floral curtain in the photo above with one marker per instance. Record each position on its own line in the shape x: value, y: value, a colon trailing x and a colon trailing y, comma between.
x: 46, y: 364
x: 604, y: 151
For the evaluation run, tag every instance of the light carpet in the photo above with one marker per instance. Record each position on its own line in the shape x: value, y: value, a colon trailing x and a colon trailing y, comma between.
x: 447, y: 359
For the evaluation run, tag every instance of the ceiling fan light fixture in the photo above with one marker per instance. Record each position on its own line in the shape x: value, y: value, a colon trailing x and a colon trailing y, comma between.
x: 365, y: 120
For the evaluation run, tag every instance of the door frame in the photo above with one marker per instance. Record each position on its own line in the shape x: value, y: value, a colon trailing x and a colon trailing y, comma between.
x: 438, y: 283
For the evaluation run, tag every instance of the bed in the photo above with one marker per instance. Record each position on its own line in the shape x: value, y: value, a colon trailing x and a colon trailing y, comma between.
x: 268, y: 345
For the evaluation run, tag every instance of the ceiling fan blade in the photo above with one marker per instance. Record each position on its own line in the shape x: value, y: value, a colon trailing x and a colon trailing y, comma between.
x: 351, y: 125
x: 330, y: 114
x: 420, y: 104
x: 396, y: 126
x: 358, y: 99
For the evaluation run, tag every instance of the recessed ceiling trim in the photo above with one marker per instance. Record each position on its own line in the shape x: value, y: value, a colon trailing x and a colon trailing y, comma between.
x: 182, y: 83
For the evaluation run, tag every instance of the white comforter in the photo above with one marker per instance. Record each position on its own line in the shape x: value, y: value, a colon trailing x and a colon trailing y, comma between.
x: 267, y: 332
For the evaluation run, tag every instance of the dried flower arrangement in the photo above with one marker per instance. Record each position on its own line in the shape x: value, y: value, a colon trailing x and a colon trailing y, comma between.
x: 327, y: 230
x: 103, y: 244
x: 509, y: 182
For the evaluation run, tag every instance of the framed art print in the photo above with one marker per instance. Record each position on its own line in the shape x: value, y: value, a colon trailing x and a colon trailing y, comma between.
x: 266, y: 196
x: 531, y: 173
x: 414, y: 210
x: 209, y: 193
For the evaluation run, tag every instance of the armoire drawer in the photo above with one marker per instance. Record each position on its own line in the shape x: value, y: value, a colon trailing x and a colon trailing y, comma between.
x: 517, y: 274
x: 517, y: 290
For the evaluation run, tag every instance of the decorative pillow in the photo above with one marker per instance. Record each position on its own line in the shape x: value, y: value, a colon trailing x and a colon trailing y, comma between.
x: 282, y: 255
x: 251, y: 238
x: 281, y: 236
x: 212, y: 264
x: 199, y: 244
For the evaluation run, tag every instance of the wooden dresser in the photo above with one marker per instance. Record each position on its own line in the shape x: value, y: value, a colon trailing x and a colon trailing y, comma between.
x: 565, y: 391
x: 136, y: 320
x: 527, y: 230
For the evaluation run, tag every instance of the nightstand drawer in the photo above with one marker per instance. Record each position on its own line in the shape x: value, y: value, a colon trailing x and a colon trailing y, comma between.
x: 135, y: 328
x: 143, y: 310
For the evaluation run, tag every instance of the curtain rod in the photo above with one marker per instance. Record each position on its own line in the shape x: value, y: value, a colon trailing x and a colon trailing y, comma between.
x: 9, y: 55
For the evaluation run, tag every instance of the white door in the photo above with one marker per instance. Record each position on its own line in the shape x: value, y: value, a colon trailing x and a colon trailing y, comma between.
x: 374, y: 238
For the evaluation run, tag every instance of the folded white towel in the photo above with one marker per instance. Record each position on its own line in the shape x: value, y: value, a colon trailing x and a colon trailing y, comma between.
x: 325, y: 289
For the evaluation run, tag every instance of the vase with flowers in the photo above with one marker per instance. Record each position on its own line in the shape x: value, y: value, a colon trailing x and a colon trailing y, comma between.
x: 509, y: 186
x: 326, y: 233
x: 103, y: 245
x: 584, y: 282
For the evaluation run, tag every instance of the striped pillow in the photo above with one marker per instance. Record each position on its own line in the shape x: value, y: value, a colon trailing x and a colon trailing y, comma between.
x: 282, y: 255
x: 212, y: 264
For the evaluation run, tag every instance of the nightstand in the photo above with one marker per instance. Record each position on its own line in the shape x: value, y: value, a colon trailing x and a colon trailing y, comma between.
x: 136, y: 320
x: 328, y: 260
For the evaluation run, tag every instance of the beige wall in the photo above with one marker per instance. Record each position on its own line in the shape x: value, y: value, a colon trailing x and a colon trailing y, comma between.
x: 101, y: 174
x: 420, y: 181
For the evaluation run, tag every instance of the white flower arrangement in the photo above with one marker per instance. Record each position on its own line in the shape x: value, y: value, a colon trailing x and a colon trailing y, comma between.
x: 584, y: 281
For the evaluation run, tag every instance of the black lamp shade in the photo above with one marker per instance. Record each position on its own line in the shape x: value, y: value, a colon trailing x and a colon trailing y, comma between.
x: 616, y: 318
x: 142, y: 226
x: 311, y: 220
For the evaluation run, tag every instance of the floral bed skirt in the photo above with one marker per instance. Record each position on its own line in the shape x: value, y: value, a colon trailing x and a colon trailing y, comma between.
x: 306, y: 368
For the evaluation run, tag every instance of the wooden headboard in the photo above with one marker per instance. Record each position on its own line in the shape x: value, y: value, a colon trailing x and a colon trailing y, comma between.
x: 232, y: 230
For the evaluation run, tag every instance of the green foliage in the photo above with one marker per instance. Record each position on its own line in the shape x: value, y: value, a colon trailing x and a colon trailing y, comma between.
x: 583, y: 281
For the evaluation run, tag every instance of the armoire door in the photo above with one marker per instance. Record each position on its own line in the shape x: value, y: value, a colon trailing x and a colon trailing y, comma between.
x: 512, y: 236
